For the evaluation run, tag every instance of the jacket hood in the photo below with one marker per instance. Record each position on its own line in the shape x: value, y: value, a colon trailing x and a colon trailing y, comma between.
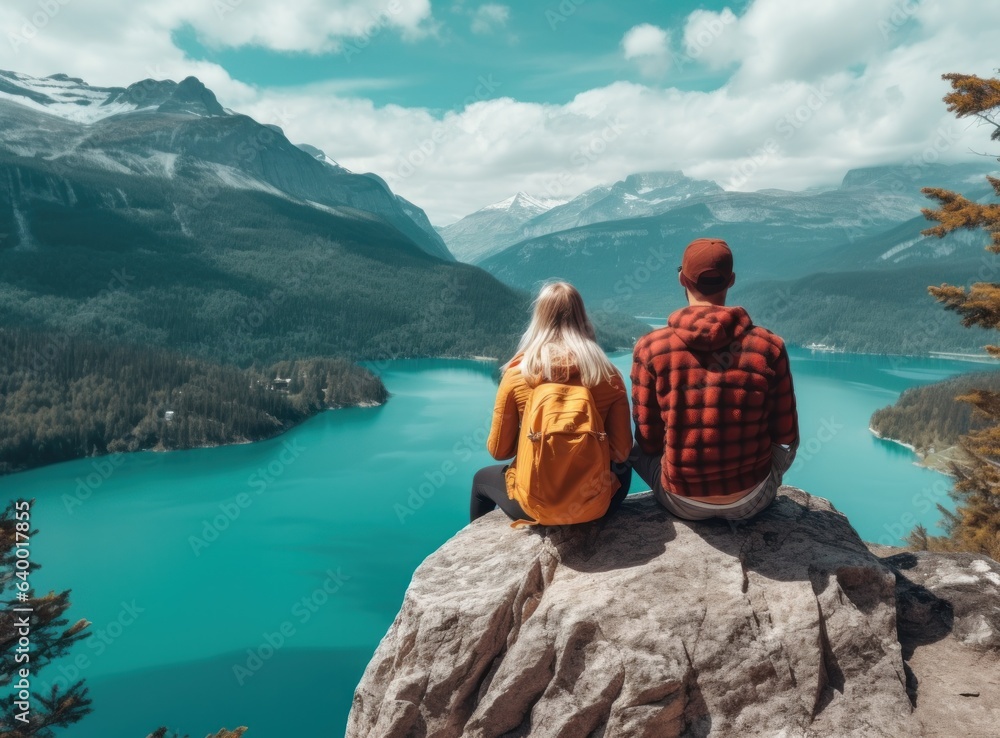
x: 709, y: 327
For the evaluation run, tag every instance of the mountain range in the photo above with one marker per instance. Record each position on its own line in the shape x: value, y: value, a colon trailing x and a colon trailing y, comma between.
x: 153, y: 215
x: 487, y: 231
x: 146, y: 127
x: 232, y: 243
x: 620, y: 245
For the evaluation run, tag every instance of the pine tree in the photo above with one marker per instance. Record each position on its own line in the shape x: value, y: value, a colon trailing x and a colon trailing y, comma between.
x: 975, y: 525
x: 49, y: 636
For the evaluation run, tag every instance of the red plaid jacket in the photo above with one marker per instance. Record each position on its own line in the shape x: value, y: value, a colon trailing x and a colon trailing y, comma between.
x: 711, y: 392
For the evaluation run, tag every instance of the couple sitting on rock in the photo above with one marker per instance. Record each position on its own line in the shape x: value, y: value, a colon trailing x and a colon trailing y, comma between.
x: 712, y: 401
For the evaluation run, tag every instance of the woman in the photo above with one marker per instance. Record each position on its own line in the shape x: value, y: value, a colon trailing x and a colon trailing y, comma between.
x: 559, y: 346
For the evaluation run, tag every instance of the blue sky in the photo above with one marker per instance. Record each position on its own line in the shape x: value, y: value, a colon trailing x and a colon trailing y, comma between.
x: 540, y: 53
x: 459, y: 104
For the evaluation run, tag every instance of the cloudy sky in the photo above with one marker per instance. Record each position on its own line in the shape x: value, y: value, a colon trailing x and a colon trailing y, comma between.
x: 460, y: 103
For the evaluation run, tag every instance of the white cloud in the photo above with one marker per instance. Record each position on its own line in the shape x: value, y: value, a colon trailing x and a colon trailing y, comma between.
x: 712, y: 38
x: 490, y: 18
x: 649, y: 45
x: 644, y: 40
x: 312, y: 26
x: 814, y: 92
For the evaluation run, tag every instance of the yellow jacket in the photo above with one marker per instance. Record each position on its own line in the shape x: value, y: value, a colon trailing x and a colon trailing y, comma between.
x: 610, y: 397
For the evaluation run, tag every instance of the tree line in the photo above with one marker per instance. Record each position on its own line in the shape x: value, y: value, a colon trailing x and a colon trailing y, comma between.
x: 64, y: 397
x: 932, y: 417
x: 975, y: 524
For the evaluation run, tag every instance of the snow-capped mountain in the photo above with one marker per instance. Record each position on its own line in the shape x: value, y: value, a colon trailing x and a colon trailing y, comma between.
x: 162, y: 128
x: 523, y: 202
x: 486, y: 232
x: 173, y: 222
x: 871, y: 222
x: 641, y: 194
x: 493, y: 228
x: 73, y: 99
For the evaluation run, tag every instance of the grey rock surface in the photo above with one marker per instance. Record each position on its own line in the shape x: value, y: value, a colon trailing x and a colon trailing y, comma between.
x: 645, y: 625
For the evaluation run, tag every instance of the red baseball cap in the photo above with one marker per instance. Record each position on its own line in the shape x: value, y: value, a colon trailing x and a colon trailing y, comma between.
x: 707, y: 265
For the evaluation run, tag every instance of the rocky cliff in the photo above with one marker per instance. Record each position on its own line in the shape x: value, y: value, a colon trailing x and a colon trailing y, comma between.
x: 645, y: 625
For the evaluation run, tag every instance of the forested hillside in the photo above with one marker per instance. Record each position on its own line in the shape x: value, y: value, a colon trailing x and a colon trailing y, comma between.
x: 62, y: 398
x: 863, y: 311
x: 250, y: 276
x: 930, y: 417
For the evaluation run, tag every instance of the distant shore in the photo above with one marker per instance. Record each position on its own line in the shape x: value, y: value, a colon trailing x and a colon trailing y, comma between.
x: 939, y: 461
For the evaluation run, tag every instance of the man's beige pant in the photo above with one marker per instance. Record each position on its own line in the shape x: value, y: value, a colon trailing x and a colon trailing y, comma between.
x: 755, y: 500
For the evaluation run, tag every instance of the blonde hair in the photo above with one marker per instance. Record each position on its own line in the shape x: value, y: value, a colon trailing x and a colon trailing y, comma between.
x: 559, y: 338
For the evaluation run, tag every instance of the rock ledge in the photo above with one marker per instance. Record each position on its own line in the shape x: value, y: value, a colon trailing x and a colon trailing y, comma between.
x: 645, y: 625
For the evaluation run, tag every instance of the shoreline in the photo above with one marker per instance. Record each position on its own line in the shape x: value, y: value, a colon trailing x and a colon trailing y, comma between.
x: 905, y: 445
x: 943, y: 355
x: 936, y: 461
x: 823, y: 349
x: 159, y: 449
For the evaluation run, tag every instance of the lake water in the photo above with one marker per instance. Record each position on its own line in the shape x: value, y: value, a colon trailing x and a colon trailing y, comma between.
x: 249, y: 585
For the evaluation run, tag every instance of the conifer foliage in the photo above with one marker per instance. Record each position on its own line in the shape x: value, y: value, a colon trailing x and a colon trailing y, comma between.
x: 51, y: 637
x: 975, y: 525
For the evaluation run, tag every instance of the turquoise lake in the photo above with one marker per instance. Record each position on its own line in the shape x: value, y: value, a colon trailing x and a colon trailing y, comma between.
x: 249, y: 585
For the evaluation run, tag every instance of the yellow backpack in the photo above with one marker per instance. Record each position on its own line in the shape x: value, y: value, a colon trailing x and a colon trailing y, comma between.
x: 562, y: 472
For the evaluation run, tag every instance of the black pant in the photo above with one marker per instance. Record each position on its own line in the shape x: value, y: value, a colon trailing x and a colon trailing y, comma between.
x: 489, y: 491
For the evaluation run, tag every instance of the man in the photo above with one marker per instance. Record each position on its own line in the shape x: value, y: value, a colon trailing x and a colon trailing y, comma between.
x: 712, y: 400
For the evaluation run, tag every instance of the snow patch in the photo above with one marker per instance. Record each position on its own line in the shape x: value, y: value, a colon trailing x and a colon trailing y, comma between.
x: 163, y: 162
x: 102, y: 160
x: 525, y: 201
x: 180, y: 221
x: 24, y: 240
x: 84, y: 108
x: 899, y: 247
